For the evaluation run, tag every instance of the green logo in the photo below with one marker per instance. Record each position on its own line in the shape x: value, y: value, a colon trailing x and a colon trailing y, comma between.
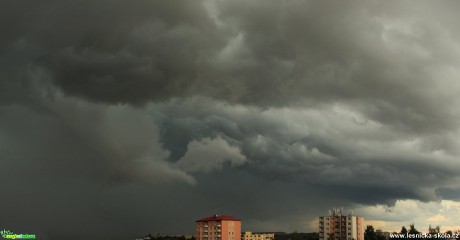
x: 10, y: 235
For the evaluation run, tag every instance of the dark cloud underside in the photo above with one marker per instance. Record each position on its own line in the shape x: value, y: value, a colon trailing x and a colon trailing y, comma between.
x: 119, y: 118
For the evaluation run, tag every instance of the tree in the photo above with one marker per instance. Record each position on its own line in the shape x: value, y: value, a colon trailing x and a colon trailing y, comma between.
x: 412, y: 230
x: 380, y: 235
x: 297, y: 236
x: 369, y: 233
x: 435, y: 230
x: 331, y: 236
x: 403, y: 230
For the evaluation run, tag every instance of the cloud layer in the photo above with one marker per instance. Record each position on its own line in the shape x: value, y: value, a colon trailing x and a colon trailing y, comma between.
x: 115, y: 112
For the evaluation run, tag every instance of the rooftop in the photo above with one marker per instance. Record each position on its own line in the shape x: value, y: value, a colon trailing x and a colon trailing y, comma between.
x: 218, y: 218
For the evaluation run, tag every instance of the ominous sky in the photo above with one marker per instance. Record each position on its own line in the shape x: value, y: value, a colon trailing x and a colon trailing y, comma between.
x: 122, y: 118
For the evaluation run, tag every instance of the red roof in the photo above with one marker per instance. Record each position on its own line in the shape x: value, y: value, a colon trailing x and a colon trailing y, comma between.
x: 217, y: 218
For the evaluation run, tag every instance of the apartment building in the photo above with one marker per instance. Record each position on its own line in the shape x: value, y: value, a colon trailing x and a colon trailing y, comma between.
x: 340, y: 226
x: 218, y: 227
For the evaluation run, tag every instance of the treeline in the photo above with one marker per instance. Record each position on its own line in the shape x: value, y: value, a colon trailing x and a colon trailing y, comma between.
x: 297, y: 236
x: 166, y: 237
x: 411, y: 233
x: 278, y: 236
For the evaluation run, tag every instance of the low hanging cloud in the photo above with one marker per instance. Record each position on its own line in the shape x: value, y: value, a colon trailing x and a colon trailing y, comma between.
x: 118, y: 110
x: 126, y: 139
x: 208, y: 155
x: 327, y: 146
x: 436, y: 213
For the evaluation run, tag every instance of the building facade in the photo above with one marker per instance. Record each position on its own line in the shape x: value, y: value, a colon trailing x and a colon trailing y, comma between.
x: 218, y: 227
x: 257, y: 236
x: 340, y: 226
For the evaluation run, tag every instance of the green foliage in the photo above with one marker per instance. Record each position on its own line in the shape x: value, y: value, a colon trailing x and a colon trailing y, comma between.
x: 412, y: 230
x: 296, y: 236
x: 380, y: 236
x: 403, y: 230
x: 434, y: 230
x: 369, y: 233
x: 165, y: 237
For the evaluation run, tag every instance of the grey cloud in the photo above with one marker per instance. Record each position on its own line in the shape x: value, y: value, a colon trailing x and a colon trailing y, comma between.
x: 325, y: 102
x: 126, y: 137
x: 375, y: 57
x: 333, y: 147
x: 208, y: 155
x: 142, y: 56
x: 47, y: 171
x: 60, y: 158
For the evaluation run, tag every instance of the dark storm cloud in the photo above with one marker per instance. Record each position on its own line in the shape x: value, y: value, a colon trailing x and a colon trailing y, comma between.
x: 124, y: 52
x: 47, y: 174
x: 386, y: 63
x: 131, y: 113
x: 325, y: 147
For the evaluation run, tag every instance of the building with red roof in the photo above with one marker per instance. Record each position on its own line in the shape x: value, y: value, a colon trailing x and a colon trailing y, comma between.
x: 218, y: 227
